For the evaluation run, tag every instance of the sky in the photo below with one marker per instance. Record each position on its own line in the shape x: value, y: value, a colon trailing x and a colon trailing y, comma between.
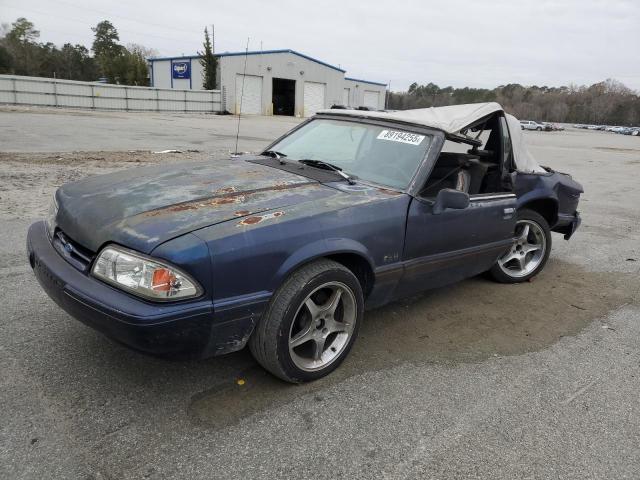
x: 460, y: 43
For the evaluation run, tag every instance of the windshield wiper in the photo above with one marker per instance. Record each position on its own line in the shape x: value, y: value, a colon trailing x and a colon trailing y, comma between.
x: 328, y: 166
x: 274, y: 154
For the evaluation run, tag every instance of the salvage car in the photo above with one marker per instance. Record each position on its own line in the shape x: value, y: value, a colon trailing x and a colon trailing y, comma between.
x: 285, y: 249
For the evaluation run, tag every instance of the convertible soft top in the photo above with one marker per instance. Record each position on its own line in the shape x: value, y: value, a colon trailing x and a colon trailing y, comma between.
x: 451, y: 119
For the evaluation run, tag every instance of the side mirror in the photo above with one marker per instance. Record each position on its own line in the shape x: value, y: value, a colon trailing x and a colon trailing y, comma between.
x: 449, y: 198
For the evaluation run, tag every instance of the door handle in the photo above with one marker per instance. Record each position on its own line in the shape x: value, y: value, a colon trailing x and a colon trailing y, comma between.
x: 508, y: 213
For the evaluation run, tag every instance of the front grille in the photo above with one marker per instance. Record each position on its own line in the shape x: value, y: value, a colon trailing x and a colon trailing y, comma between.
x: 72, y: 252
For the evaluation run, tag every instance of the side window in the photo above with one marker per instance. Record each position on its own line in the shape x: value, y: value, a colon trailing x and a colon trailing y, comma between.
x: 506, y: 144
x: 477, y: 170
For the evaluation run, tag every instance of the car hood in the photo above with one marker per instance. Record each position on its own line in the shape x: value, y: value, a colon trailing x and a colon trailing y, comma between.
x: 144, y: 207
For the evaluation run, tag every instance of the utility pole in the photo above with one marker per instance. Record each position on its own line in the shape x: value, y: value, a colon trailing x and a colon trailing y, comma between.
x: 387, y: 93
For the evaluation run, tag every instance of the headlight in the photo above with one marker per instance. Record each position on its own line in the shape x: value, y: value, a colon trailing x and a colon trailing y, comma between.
x: 50, y: 219
x: 143, y: 276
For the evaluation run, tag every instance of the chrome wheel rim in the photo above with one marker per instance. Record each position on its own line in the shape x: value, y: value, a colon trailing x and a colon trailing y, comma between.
x: 527, y: 251
x: 322, y: 326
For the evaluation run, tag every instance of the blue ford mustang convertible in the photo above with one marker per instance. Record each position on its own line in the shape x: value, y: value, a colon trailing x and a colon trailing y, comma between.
x: 284, y: 250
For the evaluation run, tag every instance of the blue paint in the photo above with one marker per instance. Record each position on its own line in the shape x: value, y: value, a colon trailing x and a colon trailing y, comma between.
x: 180, y: 57
x: 181, y: 70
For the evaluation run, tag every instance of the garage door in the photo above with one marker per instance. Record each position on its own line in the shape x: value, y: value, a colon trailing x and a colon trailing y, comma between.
x: 313, y: 97
x: 371, y: 99
x: 345, y: 97
x: 251, y: 95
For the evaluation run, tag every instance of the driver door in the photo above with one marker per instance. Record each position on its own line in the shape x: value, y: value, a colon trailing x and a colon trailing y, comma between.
x: 442, y: 248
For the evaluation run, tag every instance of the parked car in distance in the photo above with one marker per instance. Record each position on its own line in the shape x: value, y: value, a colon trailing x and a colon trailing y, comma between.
x: 531, y: 125
x: 547, y: 127
x: 283, y: 250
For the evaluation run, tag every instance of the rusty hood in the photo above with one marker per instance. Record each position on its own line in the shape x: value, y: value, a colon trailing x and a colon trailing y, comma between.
x: 144, y: 207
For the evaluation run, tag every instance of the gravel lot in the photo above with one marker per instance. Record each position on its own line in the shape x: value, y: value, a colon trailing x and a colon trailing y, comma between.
x: 475, y: 380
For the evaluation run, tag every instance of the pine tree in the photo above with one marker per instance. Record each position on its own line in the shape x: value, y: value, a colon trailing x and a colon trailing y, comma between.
x: 209, y: 63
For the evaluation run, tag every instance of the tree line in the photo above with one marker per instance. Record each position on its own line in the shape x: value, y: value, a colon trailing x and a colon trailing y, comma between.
x: 22, y: 54
x: 608, y: 102
x: 605, y: 103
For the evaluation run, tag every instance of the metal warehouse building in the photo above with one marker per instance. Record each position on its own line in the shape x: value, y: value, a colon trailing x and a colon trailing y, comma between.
x: 277, y: 82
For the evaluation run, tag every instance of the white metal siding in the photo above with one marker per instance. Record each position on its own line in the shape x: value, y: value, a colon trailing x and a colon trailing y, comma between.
x: 70, y: 93
x: 314, y: 97
x: 249, y: 98
x: 371, y: 99
x: 345, y: 97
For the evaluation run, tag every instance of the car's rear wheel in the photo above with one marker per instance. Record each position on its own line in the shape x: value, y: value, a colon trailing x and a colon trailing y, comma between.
x: 310, y: 324
x: 529, y: 252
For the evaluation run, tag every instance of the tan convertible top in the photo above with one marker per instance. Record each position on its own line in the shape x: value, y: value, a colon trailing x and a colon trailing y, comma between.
x: 450, y: 119
x: 453, y: 118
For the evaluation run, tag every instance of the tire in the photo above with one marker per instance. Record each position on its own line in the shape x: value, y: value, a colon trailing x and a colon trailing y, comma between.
x: 539, y: 129
x: 325, y: 336
x: 509, y: 267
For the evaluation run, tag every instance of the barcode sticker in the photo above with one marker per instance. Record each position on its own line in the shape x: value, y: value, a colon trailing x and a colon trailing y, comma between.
x: 402, y: 137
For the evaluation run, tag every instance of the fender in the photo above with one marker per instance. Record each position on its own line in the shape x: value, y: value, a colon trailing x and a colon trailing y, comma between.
x: 551, y: 204
x: 317, y: 249
x: 537, y: 194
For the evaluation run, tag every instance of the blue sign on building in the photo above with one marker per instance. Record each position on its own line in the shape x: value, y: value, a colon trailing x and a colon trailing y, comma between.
x: 181, y: 70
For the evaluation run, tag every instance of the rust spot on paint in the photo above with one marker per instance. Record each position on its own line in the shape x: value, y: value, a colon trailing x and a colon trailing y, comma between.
x: 181, y: 208
x: 222, y: 201
x: 225, y: 190
x: 226, y: 196
x: 259, y: 218
x: 241, y: 213
x: 250, y: 221
x: 388, y: 192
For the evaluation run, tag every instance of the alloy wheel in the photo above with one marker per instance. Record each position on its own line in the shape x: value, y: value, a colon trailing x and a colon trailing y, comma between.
x: 527, y: 252
x: 322, y: 326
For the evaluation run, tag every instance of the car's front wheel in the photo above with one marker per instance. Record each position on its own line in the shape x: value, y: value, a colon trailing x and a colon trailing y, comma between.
x: 310, y: 324
x: 529, y: 252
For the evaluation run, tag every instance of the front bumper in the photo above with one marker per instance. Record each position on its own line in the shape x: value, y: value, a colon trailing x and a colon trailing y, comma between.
x: 568, y: 224
x: 185, y: 329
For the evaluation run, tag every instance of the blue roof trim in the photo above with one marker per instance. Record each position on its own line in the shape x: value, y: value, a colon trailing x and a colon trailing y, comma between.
x: 179, y: 57
x: 256, y: 52
x: 365, y: 81
x: 268, y: 52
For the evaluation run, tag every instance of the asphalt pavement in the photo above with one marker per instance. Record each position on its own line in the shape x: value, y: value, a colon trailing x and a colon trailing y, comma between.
x: 475, y: 380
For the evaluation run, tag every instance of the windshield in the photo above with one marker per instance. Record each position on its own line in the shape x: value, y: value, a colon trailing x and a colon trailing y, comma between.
x: 388, y: 156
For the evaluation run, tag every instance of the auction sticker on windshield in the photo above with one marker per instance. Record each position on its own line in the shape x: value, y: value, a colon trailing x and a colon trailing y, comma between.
x: 402, y: 137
